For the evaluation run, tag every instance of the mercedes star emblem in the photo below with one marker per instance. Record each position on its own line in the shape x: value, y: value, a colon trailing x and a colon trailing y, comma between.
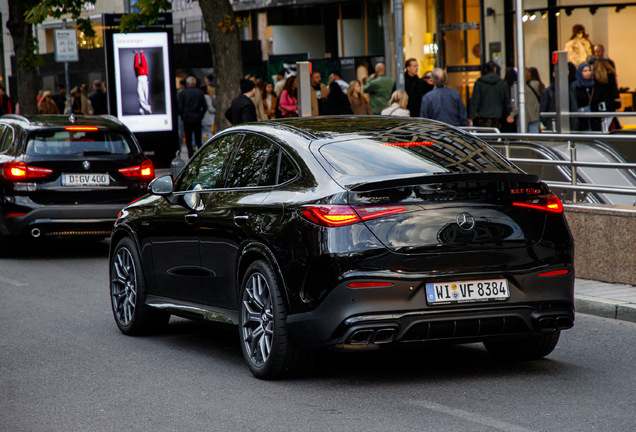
x: 465, y: 221
x: 87, y: 165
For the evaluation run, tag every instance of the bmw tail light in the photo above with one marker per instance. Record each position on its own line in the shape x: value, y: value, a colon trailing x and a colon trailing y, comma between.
x: 21, y: 171
x: 146, y: 170
x: 550, y: 203
x: 339, y: 215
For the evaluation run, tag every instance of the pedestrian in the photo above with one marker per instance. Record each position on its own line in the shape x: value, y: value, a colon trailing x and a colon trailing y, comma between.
x: 87, y: 107
x: 414, y: 86
x: 98, y: 99
x: 397, y: 105
x: 257, y: 100
x: 242, y: 109
x: 490, y: 100
x: 359, y: 104
x: 192, y: 107
x: 319, y: 93
x: 288, y: 101
x: 443, y: 104
x: 46, y: 105
x: 337, y: 102
x: 141, y: 72
x: 335, y: 77
x: 582, y: 89
x: 269, y: 101
x: 599, y: 53
x: 60, y: 98
x: 76, y: 102
x: 5, y: 103
x: 40, y: 96
x: 513, y: 90
x: 379, y: 88
x: 605, y: 93
x: 428, y: 82
x: 533, y: 101
x: 207, y: 123
x: 280, y: 82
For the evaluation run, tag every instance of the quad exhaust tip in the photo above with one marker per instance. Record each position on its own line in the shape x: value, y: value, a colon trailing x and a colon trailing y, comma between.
x: 35, y: 232
x: 551, y: 324
x: 367, y: 336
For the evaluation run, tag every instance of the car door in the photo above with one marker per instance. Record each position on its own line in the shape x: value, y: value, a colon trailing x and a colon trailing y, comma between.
x: 175, y: 231
x: 235, y: 215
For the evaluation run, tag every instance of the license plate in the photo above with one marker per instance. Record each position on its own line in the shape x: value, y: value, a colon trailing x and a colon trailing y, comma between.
x: 467, y: 291
x: 85, y: 180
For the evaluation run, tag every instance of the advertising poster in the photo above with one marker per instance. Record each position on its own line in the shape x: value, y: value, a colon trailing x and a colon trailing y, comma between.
x: 142, y: 81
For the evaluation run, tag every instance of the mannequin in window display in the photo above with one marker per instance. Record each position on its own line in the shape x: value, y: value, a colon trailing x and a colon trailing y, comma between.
x: 579, y: 46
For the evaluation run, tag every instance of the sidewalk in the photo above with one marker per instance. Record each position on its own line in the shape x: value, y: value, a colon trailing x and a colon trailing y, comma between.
x: 607, y: 300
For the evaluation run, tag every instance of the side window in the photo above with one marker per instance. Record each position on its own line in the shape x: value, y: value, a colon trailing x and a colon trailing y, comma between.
x: 249, y: 161
x: 270, y: 169
x: 207, y: 171
x: 287, y: 169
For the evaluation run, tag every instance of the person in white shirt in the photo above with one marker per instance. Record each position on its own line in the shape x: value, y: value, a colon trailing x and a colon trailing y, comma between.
x: 397, y: 105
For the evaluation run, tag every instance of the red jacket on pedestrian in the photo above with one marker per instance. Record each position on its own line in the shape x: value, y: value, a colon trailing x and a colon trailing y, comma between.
x: 141, y: 67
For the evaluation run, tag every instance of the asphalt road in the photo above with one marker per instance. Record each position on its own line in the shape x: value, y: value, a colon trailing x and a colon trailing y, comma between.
x: 64, y: 366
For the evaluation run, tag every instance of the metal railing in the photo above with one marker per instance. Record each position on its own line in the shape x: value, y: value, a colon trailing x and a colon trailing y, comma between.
x: 604, y: 115
x: 508, y: 140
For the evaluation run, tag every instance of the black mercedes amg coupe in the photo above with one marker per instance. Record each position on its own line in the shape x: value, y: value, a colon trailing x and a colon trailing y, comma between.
x: 348, y: 233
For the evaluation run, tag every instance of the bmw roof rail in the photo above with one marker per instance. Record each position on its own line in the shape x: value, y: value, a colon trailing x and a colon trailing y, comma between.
x: 16, y: 117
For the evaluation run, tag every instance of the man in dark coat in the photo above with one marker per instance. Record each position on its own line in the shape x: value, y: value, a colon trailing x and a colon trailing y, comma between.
x: 443, y: 104
x: 60, y: 98
x: 415, y: 87
x: 98, y: 99
x: 242, y: 109
x: 192, y: 108
x: 490, y: 100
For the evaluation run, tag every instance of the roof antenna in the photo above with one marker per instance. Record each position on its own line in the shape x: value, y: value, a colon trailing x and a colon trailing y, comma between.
x: 72, y: 118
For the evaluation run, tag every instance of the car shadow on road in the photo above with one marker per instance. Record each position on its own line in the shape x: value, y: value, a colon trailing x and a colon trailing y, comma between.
x: 59, y: 249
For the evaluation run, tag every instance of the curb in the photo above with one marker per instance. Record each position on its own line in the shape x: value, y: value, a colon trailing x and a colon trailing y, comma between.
x: 613, y: 309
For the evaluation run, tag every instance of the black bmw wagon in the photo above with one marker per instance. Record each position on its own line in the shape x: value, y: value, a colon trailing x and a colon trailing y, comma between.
x: 64, y: 176
x: 348, y: 233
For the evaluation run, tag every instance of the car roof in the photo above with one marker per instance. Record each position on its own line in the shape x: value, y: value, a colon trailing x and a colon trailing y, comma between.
x: 44, y: 121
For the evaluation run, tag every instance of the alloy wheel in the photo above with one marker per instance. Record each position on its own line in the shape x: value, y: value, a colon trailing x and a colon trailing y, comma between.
x: 124, y: 287
x: 257, y: 319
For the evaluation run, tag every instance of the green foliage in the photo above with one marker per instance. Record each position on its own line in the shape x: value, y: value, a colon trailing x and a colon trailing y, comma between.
x: 32, y: 60
x: 57, y: 8
x: 146, y: 15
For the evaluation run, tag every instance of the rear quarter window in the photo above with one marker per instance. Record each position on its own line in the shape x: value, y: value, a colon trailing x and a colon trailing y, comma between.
x: 63, y: 142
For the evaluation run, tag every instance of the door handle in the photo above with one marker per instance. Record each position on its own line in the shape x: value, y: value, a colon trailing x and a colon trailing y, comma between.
x: 191, y: 218
x: 241, y: 219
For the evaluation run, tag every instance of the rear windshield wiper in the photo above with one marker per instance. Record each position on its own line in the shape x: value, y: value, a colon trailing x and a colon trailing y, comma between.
x: 96, y: 152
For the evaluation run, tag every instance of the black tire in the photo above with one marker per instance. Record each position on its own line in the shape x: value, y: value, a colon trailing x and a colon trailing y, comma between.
x: 531, y: 348
x: 128, y: 293
x: 263, y: 327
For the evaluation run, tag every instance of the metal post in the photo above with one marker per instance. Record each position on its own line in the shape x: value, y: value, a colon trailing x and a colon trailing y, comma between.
x: 521, y: 68
x: 561, y: 91
x: 398, y: 29
x: 304, y: 89
x: 572, y: 147
x: 69, y: 107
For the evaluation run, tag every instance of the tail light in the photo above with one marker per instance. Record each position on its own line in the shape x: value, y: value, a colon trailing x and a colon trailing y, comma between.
x: 146, y: 170
x: 554, y: 273
x: 339, y: 215
x: 550, y: 203
x: 22, y: 171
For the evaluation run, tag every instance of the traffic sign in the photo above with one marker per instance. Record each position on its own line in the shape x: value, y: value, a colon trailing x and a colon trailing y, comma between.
x: 66, y: 45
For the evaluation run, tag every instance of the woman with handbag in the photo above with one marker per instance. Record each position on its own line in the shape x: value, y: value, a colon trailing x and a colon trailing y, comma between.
x: 605, y: 92
x: 583, y: 90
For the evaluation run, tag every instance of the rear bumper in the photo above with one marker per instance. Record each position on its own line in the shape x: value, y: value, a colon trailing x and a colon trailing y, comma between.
x: 395, y: 316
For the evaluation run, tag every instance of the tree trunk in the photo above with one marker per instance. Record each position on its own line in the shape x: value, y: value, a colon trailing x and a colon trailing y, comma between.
x: 20, y: 32
x: 226, y: 56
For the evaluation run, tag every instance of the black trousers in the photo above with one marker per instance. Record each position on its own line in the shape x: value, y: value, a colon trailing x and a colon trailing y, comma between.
x: 190, y: 128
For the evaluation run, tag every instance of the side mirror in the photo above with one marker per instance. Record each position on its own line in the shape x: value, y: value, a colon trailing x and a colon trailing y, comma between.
x: 161, y: 186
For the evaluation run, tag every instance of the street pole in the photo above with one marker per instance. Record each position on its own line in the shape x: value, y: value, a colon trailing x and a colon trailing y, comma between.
x: 561, y: 91
x: 398, y: 26
x: 69, y: 108
x: 521, y: 68
x: 303, y: 75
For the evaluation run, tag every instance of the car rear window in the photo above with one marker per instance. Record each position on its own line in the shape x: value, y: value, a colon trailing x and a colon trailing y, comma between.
x: 446, y: 152
x: 64, y: 142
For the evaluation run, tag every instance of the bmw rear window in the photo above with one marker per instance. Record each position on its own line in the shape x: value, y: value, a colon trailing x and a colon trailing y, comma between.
x: 64, y: 142
x: 438, y: 152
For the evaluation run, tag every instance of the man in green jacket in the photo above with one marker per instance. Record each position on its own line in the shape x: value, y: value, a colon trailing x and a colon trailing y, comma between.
x: 490, y: 100
x: 379, y: 87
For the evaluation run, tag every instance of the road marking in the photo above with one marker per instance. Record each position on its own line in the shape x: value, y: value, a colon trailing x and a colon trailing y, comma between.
x: 467, y: 415
x: 13, y: 282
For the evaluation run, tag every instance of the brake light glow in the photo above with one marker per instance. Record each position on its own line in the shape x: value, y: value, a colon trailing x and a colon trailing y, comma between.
x: 338, y: 215
x: 81, y: 128
x: 411, y: 144
x: 550, y: 203
x: 554, y: 273
x: 22, y: 171
x: 369, y: 284
x: 145, y: 170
